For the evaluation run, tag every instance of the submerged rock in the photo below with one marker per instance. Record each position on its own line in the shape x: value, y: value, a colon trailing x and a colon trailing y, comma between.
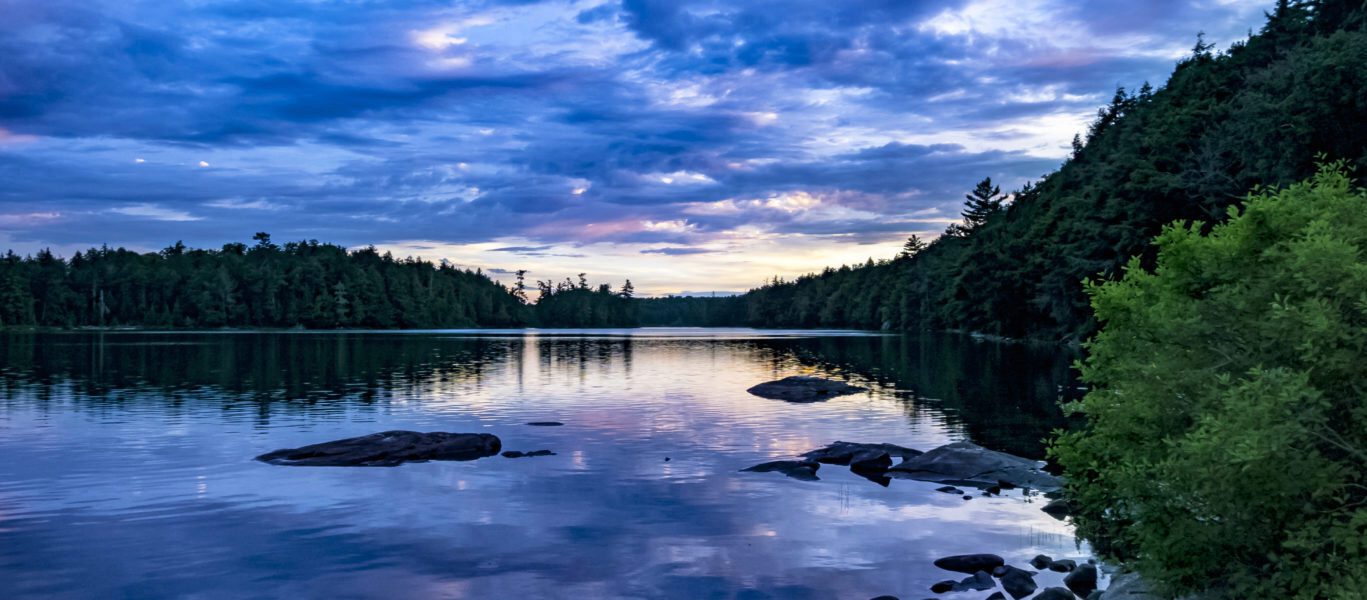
x: 852, y: 453
x: 966, y: 462
x: 797, y: 469
x: 801, y: 388
x: 970, y: 563
x: 519, y: 454
x: 388, y: 449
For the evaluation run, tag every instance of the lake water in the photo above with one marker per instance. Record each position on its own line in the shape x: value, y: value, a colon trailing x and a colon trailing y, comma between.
x: 127, y: 466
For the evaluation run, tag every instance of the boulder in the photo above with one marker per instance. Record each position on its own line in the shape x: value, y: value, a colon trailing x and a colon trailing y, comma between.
x: 800, y: 388
x: 519, y: 454
x: 388, y: 449
x: 1055, y: 593
x: 966, y: 462
x: 545, y: 423
x: 1058, y: 508
x: 941, y: 587
x: 1041, y: 561
x: 1018, y: 582
x: 1062, y: 565
x: 996, y: 596
x: 949, y: 489
x: 844, y: 453
x: 970, y: 563
x: 797, y: 469
x: 1082, y: 580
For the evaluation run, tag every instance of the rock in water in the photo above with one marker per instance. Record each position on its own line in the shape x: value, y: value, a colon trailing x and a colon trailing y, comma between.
x: 520, y: 454
x: 1041, y: 561
x: 797, y: 469
x: 1018, y: 582
x: 970, y: 563
x: 979, y: 582
x: 800, y: 388
x: 996, y: 596
x: 966, y: 462
x: 1055, y: 593
x: 1063, y: 565
x: 845, y: 453
x: 1082, y: 580
x: 545, y: 423
x: 1058, y: 508
x: 388, y: 449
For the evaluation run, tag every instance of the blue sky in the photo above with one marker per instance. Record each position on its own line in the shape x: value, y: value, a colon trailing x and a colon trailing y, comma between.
x: 688, y: 144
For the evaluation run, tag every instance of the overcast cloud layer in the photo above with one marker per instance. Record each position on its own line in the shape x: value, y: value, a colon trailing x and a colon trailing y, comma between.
x: 691, y: 145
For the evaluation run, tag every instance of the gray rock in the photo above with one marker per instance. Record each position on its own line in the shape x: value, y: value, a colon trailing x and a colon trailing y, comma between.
x: 519, y: 454
x: 797, y: 469
x: 1082, y: 580
x: 1018, y: 582
x: 1055, y: 593
x: 970, y: 563
x: 388, y: 449
x: 966, y: 462
x: 799, y: 388
x: 1129, y: 586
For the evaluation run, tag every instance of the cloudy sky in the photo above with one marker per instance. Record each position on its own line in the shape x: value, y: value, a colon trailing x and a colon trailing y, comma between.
x: 690, y: 145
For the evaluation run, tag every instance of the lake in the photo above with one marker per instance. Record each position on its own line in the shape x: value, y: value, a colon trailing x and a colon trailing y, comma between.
x: 128, y: 464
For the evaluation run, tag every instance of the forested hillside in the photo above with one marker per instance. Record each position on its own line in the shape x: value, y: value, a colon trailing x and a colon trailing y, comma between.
x: 1261, y: 113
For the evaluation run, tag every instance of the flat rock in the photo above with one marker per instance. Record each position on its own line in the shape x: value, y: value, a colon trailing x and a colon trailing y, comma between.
x: 797, y: 469
x: 969, y: 463
x: 388, y: 449
x: 801, y: 388
x: 520, y: 454
x: 970, y: 563
x: 847, y: 453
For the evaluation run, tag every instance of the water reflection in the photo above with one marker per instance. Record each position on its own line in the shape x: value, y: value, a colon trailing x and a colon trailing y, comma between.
x: 128, y: 468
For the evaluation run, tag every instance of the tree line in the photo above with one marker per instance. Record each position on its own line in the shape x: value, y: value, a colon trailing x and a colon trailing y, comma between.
x: 298, y: 284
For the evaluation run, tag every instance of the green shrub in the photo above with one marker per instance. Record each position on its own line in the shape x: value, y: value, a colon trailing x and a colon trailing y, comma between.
x: 1226, y: 444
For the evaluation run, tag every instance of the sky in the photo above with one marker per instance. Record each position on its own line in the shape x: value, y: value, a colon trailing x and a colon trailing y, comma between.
x: 689, y: 145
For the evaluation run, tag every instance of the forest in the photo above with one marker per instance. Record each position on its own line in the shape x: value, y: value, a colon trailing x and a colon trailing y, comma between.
x: 298, y: 284
x: 1261, y: 113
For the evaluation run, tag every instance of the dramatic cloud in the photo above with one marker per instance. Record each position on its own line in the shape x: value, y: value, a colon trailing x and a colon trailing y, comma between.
x: 686, y: 144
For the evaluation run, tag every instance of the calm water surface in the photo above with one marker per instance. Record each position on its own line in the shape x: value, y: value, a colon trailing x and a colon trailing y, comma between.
x: 127, y: 464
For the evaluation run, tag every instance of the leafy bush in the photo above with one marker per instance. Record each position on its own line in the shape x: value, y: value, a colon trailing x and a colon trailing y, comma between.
x: 1226, y: 445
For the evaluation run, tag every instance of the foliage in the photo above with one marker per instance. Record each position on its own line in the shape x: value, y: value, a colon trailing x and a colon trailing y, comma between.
x: 1227, y: 421
x: 299, y: 284
x: 1256, y: 114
